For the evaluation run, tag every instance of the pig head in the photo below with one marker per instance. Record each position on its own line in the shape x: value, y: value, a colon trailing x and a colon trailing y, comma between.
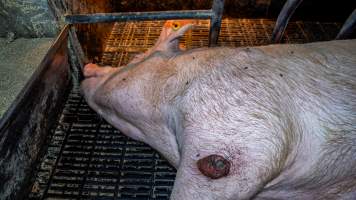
x: 270, y: 122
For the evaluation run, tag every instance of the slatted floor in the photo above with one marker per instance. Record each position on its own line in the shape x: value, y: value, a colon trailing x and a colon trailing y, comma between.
x: 89, y: 159
x: 129, y: 39
x: 86, y: 158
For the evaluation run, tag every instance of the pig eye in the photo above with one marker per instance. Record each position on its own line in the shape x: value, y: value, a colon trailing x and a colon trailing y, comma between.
x: 175, y: 26
x: 214, y: 166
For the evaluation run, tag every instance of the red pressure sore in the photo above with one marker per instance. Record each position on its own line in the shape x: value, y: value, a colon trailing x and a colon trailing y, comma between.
x: 214, y: 166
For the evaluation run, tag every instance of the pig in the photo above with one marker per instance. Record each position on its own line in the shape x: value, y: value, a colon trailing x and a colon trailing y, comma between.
x: 268, y: 122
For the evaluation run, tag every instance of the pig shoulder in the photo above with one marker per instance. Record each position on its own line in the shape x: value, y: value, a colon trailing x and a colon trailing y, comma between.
x: 296, y: 102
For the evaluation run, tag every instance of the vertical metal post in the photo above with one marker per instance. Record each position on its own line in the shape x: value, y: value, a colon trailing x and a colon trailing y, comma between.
x: 83, y: 60
x: 215, y: 22
x: 283, y: 18
x: 348, y: 28
x: 77, y: 55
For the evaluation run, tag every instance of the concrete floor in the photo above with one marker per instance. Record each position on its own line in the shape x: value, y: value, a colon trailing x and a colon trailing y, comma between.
x: 18, y: 60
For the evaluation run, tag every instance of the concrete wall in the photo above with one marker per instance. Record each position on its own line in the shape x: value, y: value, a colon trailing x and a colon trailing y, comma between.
x: 27, y: 18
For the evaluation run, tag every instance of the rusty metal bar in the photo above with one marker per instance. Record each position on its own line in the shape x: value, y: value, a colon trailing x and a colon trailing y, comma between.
x: 77, y: 56
x: 137, y: 16
x: 215, y: 21
x: 25, y: 125
x: 348, y: 28
x: 283, y: 18
x: 78, y: 50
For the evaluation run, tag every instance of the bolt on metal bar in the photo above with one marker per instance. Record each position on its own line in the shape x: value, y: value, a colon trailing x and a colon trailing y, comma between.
x: 215, y: 21
x: 283, y: 18
x: 348, y: 28
x: 137, y: 16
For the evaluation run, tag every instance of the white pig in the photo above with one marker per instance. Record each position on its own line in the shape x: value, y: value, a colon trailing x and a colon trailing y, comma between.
x: 270, y: 122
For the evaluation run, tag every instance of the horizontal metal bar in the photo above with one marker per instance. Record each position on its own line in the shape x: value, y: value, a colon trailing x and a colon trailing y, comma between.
x: 137, y: 16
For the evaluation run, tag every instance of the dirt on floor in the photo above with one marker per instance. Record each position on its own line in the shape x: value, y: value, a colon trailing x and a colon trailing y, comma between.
x: 18, y: 60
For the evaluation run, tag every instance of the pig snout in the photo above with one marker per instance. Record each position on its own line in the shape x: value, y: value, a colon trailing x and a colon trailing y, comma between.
x: 93, y: 70
x: 90, y: 70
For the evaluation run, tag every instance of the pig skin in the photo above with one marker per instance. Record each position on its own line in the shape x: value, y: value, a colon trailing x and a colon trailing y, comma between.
x: 283, y: 115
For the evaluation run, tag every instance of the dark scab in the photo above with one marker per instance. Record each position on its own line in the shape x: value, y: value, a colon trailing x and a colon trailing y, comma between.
x: 198, y: 154
x: 187, y: 83
x: 281, y: 75
x: 245, y: 67
x: 124, y: 79
x: 291, y: 52
x: 214, y: 166
x: 193, y: 57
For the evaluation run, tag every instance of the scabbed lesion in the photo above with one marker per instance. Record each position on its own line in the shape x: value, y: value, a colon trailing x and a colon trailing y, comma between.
x: 214, y: 166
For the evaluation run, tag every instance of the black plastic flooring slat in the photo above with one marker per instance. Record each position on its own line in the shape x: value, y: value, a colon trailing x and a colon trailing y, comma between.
x: 89, y: 159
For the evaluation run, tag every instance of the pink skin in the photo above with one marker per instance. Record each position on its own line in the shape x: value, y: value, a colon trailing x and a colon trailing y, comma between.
x: 281, y: 117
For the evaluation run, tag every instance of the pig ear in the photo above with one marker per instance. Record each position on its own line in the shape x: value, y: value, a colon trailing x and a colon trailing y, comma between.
x: 181, y: 32
x: 173, y: 41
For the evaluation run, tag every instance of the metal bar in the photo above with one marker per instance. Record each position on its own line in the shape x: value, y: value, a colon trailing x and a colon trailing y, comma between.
x: 79, y: 58
x: 215, y: 21
x: 24, y: 127
x: 78, y: 48
x: 137, y: 16
x: 16, y: 106
x: 283, y: 18
x: 348, y: 28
